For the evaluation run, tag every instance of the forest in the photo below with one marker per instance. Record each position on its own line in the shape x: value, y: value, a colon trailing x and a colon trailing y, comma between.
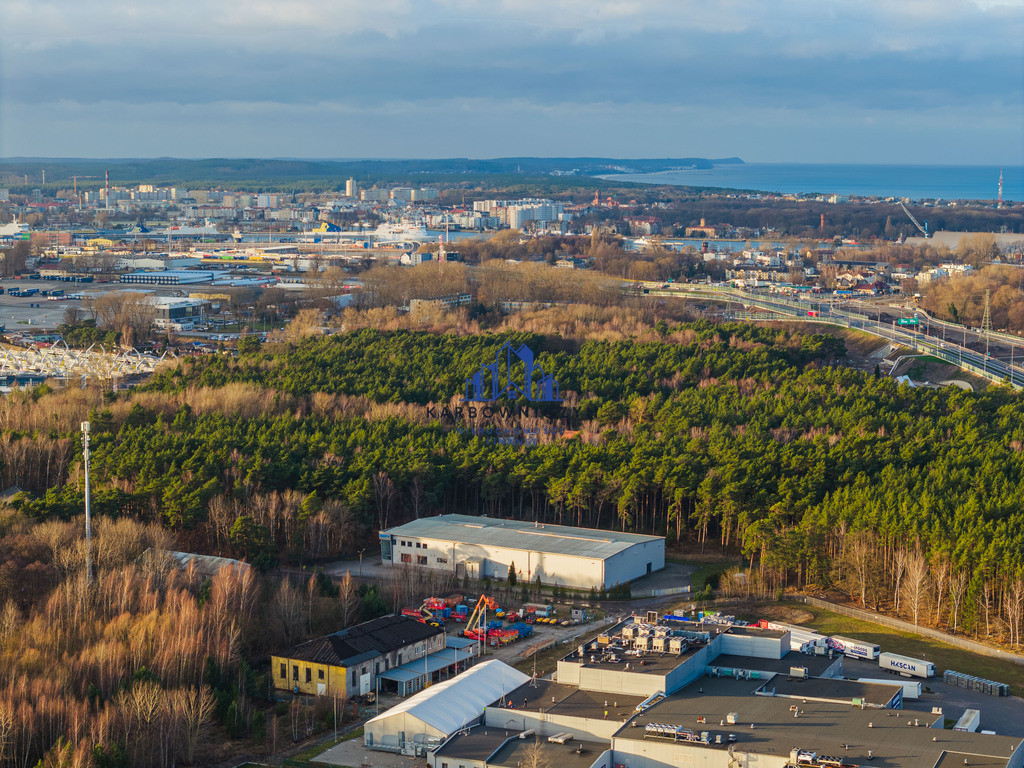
x: 726, y: 438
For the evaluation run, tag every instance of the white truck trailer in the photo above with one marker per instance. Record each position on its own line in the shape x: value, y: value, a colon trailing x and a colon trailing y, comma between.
x: 855, y: 649
x: 969, y: 721
x: 905, y: 666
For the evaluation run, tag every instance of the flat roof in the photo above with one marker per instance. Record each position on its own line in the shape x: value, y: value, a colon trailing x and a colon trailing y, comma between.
x: 550, y: 697
x: 873, y: 694
x: 736, y: 629
x: 517, y: 534
x: 816, y: 665
x: 648, y: 663
x: 476, y: 743
x: 821, y: 727
x: 572, y: 754
x: 433, y: 662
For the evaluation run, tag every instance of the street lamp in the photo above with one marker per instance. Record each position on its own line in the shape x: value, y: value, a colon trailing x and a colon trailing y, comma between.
x: 88, y: 518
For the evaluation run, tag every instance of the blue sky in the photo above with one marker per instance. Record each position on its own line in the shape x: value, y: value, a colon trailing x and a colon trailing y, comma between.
x: 917, y: 81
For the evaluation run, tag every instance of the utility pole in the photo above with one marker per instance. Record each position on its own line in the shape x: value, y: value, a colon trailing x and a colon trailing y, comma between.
x: 88, y: 518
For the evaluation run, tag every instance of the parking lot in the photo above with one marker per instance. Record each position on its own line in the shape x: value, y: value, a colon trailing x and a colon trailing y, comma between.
x: 1004, y: 715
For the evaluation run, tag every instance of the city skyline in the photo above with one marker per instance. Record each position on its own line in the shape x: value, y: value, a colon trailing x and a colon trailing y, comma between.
x: 924, y: 82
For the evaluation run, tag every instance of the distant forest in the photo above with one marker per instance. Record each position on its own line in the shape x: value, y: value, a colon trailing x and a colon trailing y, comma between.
x: 293, y: 174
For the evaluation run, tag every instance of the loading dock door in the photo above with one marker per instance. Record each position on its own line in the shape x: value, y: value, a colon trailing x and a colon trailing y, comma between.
x: 364, y: 684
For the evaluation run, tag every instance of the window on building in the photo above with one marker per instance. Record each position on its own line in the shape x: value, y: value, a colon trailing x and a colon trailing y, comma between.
x: 421, y: 559
x: 406, y: 558
x: 295, y: 672
x: 284, y: 670
x: 355, y: 678
x: 320, y: 674
x: 309, y: 675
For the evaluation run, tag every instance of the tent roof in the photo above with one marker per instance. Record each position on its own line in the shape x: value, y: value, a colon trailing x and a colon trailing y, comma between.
x: 448, y: 706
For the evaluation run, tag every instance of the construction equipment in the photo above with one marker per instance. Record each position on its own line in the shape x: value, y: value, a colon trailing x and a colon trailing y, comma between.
x: 478, y: 618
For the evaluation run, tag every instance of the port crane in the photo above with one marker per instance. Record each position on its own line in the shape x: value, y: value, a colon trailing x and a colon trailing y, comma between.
x: 924, y: 229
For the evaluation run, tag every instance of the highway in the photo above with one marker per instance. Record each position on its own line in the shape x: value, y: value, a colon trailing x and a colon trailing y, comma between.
x: 844, y: 314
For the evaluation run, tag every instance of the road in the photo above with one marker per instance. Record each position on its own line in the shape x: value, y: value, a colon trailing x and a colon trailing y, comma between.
x: 845, y: 314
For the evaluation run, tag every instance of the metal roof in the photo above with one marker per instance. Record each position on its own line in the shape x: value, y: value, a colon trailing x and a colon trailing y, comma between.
x: 419, y: 667
x: 363, y: 641
x: 517, y: 534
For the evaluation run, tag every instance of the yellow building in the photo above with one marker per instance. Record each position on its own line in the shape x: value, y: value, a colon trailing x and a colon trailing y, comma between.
x: 348, y: 663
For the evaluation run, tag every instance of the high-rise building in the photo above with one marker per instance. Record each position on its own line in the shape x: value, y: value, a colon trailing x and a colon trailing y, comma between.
x: 351, y: 188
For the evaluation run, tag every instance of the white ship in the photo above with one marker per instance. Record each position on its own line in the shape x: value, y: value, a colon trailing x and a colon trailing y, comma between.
x: 403, y: 232
x: 207, y: 230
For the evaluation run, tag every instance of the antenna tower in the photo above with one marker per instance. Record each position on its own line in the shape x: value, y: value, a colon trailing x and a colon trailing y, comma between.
x: 1000, y: 204
x: 986, y: 320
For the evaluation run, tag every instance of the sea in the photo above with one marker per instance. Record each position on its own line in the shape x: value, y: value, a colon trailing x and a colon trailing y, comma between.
x: 917, y: 182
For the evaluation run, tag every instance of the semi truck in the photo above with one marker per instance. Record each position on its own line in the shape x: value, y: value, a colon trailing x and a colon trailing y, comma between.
x: 855, y: 649
x: 905, y: 666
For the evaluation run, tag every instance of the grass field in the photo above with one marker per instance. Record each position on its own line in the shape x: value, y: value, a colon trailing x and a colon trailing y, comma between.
x: 942, y: 655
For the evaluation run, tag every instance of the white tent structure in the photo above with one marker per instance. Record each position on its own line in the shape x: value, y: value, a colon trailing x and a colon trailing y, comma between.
x: 435, y: 713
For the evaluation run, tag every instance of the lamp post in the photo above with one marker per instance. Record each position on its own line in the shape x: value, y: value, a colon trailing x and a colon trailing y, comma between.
x: 88, y: 518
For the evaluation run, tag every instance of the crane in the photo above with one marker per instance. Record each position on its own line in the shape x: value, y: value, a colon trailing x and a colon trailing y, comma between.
x: 479, y: 614
x: 924, y: 229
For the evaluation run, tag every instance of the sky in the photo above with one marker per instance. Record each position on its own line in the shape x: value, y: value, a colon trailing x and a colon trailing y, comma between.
x: 823, y: 81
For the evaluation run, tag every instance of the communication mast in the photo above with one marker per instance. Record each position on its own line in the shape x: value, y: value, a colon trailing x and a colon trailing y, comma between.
x: 1000, y: 204
x: 986, y: 319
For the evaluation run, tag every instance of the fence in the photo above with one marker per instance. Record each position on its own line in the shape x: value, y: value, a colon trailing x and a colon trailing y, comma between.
x: 906, y: 626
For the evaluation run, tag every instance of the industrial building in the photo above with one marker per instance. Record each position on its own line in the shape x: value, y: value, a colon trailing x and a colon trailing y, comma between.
x: 431, y: 716
x: 176, y: 313
x: 390, y: 653
x: 662, y: 692
x: 485, y: 547
x: 168, y: 277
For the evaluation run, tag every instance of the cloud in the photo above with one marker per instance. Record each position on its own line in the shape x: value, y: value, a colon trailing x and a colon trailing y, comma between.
x: 611, y: 59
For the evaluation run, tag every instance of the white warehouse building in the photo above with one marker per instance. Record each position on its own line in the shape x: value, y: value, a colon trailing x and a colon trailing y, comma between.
x: 485, y: 547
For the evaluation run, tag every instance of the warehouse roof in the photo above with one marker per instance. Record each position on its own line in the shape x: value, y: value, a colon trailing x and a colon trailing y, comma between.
x: 572, y: 754
x: 555, y: 698
x: 449, y: 705
x: 517, y: 534
x: 364, y: 641
x: 894, y: 737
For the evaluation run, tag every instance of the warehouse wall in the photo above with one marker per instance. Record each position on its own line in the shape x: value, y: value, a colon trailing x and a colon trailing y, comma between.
x: 548, y: 724
x: 689, y: 670
x: 612, y: 680
x: 631, y: 564
x: 757, y: 647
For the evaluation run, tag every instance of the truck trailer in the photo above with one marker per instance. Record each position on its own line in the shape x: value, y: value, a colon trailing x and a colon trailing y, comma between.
x: 906, y: 666
x: 969, y: 721
x: 855, y: 649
